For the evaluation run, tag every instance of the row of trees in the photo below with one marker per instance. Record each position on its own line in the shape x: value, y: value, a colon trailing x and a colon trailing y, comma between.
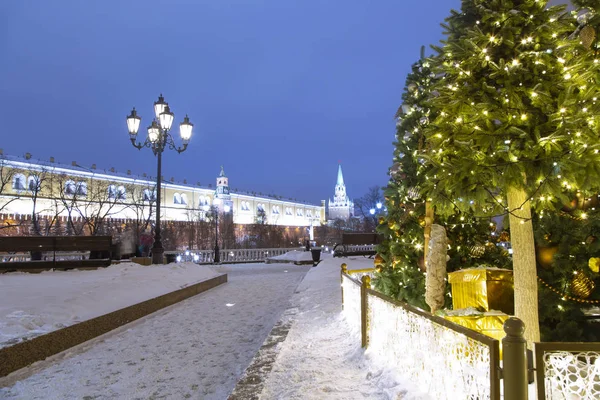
x: 501, y: 121
x: 85, y: 208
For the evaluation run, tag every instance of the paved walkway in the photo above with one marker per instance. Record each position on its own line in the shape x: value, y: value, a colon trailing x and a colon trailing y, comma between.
x: 196, y: 349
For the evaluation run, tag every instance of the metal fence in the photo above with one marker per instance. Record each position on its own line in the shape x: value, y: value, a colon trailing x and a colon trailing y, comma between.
x: 443, y: 359
x: 58, y: 256
x: 229, y: 256
x: 566, y: 371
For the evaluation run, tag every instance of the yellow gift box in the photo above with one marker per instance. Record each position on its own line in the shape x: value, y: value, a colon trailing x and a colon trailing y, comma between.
x: 484, y: 289
x: 490, y: 325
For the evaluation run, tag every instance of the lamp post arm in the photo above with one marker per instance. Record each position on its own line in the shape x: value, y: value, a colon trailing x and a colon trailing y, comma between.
x: 171, y: 143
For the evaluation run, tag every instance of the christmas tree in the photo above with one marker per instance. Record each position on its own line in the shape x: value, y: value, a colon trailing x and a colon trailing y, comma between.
x: 516, y: 125
x: 401, y: 255
x: 568, y: 252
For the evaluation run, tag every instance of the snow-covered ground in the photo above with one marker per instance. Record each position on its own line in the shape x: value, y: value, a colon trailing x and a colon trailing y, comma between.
x: 34, y: 304
x: 200, y: 347
x: 194, y: 349
x: 293, y: 256
x: 322, y: 356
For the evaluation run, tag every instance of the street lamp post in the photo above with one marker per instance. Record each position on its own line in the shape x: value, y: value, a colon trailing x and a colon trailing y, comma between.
x: 226, y: 208
x: 217, y: 258
x: 158, y: 139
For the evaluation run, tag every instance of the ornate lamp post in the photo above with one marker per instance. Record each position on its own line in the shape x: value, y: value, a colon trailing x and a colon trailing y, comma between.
x: 158, y: 139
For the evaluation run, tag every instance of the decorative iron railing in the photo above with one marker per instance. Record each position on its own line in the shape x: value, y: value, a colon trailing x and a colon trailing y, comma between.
x: 443, y: 359
x: 19, y: 257
x: 229, y: 256
x: 567, y: 370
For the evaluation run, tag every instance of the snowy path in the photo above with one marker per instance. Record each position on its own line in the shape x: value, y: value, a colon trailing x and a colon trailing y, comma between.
x: 195, y: 349
x: 322, y: 356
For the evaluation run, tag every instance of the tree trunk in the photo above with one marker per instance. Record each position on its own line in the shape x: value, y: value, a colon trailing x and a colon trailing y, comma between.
x: 524, y: 266
x: 428, y: 222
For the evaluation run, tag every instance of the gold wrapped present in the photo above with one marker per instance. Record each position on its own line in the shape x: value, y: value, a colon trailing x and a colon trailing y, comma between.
x: 489, y: 325
x: 485, y: 289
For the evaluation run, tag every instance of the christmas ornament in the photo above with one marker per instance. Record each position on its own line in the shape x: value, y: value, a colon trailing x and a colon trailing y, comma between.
x: 587, y: 35
x: 590, y: 202
x: 590, y: 239
x: 545, y: 256
x: 411, y: 87
x: 571, y: 206
x: 413, y: 193
x: 381, y: 220
x: 421, y: 220
x: 582, y: 286
x: 477, y: 250
x: 504, y: 237
x: 594, y: 264
x: 378, y: 261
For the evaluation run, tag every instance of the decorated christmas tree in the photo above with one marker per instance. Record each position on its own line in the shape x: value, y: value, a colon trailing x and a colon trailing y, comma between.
x: 400, y: 257
x: 568, y: 257
x: 517, y: 124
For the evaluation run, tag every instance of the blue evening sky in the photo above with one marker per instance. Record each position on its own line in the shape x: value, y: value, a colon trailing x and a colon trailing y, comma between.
x: 278, y: 90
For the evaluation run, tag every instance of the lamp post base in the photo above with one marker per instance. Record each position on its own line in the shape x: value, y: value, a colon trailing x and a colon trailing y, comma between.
x: 217, y: 258
x: 157, y: 255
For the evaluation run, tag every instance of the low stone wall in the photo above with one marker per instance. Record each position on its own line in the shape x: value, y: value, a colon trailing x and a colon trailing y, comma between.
x: 39, y: 348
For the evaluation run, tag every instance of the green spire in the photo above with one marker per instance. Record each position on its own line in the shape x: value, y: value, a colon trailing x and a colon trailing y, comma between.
x: 340, y: 177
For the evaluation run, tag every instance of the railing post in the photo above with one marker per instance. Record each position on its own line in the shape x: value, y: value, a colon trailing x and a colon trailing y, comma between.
x: 343, y: 271
x: 514, y: 368
x: 364, y: 317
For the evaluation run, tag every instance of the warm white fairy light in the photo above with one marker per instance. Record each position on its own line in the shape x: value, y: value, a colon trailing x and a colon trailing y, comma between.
x: 401, y: 339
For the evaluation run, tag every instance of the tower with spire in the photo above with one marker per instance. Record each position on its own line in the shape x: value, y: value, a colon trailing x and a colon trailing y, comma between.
x: 222, y: 190
x: 341, y: 207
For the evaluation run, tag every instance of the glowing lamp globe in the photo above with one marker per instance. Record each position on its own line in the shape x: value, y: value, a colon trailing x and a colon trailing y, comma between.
x: 133, y: 123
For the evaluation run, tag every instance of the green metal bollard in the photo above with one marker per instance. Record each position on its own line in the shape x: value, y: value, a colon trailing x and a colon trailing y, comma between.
x: 514, y: 368
x: 364, y: 311
x: 344, y: 271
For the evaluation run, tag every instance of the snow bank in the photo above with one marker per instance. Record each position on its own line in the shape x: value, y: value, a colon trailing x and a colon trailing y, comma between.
x: 322, y: 356
x: 35, y: 304
x: 293, y: 256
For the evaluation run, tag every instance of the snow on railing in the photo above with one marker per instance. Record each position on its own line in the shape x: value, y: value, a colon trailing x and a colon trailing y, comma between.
x: 351, y: 300
x: 443, y: 359
x: 568, y: 370
x: 436, y: 356
x: 229, y: 256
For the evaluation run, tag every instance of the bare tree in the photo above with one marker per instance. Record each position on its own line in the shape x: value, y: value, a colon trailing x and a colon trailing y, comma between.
x: 363, y: 205
x: 6, y: 179
x: 98, y: 202
x: 142, y: 205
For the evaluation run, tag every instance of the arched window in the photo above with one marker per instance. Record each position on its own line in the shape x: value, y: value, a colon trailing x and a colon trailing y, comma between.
x: 82, y: 189
x: 288, y: 211
x: 70, y: 188
x: 112, y: 192
x: 121, y: 193
x: 184, y: 198
x: 149, y: 195
x: 33, y: 183
x: 299, y: 213
x: 18, y: 182
x: 176, y: 198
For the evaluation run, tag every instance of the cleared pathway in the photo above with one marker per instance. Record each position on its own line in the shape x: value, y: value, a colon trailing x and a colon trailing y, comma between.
x: 196, y: 349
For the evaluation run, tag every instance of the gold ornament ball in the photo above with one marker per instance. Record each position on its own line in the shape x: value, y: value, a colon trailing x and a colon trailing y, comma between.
x: 378, y: 260
x: 587, y: 35
x: 594, y: 264
x: 582, y: 286
x: 545, y: 256
x: 477, y: 250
